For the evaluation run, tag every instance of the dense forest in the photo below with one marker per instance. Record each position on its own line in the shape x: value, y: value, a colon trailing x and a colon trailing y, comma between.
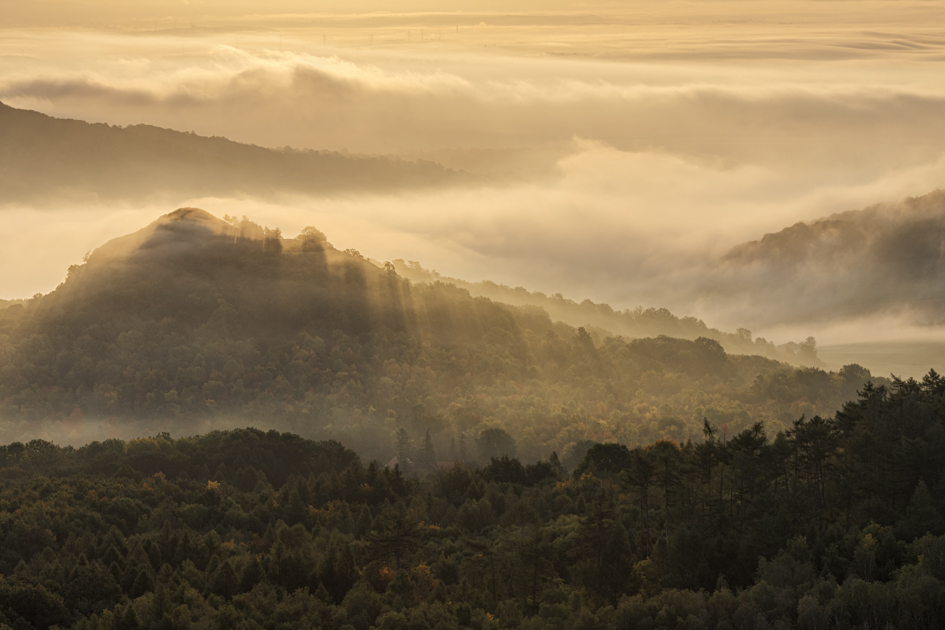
x: 196, y: 323
x: 638, y: 322
x: 45, y: 159
x: 834, y: 523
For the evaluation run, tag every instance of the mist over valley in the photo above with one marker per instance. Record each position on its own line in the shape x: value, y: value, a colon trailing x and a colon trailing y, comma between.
x: 379, y: 315
x: 864, y: 271
x: 219, y: 319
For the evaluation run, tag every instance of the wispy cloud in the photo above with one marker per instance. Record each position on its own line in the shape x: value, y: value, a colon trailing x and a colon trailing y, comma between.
x: 652, y: 169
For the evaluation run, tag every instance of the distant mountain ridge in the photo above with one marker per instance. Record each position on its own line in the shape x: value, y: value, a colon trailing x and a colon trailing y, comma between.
x: 45, y: 159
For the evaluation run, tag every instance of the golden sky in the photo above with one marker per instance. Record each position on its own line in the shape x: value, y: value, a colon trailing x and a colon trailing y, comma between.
x: 628, y: 145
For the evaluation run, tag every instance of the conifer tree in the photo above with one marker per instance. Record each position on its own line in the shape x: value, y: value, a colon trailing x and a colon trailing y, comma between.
x: 395, y: 536
x: 426, y: 457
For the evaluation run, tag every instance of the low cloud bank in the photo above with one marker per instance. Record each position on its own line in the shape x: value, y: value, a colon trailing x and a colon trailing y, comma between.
x: 301, y: 94
x: 624, y: 183
x: 611, y: 226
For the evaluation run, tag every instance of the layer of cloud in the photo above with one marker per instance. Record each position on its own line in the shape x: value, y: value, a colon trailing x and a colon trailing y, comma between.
x: 613, y: 226
x: 413, y: 102
x: 630, y: 29
x: 631, y: 178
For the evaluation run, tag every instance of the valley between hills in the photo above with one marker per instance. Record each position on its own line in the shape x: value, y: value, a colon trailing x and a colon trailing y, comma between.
x: 195, y: 321
x: 537, y: 474
x: 226, y: 416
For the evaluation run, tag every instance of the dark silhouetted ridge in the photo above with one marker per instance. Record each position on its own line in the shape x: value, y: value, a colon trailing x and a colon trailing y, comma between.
x: 45, y: 159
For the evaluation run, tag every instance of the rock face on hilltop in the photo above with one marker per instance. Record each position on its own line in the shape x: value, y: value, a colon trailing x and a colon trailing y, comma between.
x: 45, y: 159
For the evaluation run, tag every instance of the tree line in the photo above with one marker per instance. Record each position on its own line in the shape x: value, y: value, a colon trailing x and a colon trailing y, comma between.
x: 834, y: 522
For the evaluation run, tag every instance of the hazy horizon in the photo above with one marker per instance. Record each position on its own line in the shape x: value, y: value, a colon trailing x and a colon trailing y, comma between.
x: 625, y: 148
x: 506, y: 315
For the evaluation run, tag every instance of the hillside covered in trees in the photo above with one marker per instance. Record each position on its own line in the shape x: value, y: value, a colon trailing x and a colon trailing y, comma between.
x: 884, y: 259
x: 45, y: 159
x: 194, y: 323
x: 639, y: 322
x: 834, y: 523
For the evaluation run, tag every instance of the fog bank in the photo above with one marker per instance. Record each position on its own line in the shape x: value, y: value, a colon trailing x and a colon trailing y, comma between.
x: 624, y: 150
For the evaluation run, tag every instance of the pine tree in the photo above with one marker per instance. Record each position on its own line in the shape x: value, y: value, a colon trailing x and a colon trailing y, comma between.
x: 403, y: 446
x: 337, y: 570
x: 129, y: 619
x: 142, y: 584
x: 224, y: 581
x: 395, y: 536
x: 617, y: 563
x: 921, y: 516
x: 252, y: 574
x: 427, y: 455
x: 363, y: 525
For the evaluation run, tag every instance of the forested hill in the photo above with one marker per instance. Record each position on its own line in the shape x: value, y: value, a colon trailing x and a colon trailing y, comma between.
x: 835, y: 523
x: 638, y: 322
x: 50, y: 159
x: 888, y: 258
x: 195, y: 322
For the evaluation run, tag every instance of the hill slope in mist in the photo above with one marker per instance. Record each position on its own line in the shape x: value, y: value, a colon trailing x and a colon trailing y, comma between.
x: 195, y: 322
x: 46, y: 159
x: 638, y: 322
x: 888, y: 259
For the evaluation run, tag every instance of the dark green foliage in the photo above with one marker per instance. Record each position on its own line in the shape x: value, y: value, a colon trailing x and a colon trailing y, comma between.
x: 605, y: 460
x: 495, y: 442
x: 337, y: 570
x: 395, y: 535
x: 921, y: 516
x: 709, y: 491
x: 26, y: 605
x: 738, y: 532
x: 505, y: 470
